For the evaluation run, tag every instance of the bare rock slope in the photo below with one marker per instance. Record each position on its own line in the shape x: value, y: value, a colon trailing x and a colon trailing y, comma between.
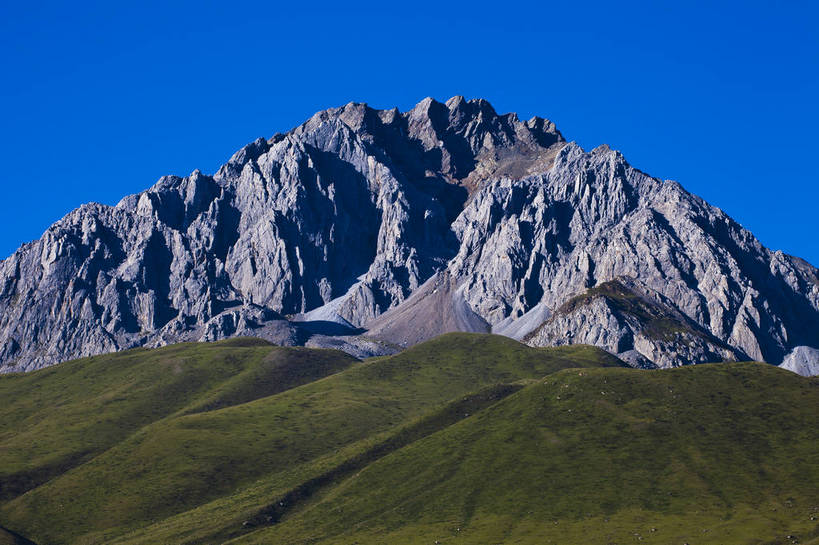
x: 803, y: 360
x: 409, y: 224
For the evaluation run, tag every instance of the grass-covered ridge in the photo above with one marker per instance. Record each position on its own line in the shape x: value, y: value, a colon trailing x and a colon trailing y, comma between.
x: 701, y: 454
x: 463, y: 439
x: 95, y: 447
x: 62, y: 416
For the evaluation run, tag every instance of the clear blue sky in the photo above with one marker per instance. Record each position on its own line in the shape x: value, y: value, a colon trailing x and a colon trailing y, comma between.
x: 100, y: 99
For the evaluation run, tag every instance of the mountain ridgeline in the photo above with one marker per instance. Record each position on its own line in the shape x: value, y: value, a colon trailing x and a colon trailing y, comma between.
x: 371, y: 230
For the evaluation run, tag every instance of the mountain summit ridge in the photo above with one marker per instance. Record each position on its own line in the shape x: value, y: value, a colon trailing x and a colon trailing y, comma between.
x: 322, y: 230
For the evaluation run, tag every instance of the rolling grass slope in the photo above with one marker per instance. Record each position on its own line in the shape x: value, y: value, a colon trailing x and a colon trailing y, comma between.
x: 60, y: 417
x: 467, y: 438
x: 720, y: 454
x: 96, y: 448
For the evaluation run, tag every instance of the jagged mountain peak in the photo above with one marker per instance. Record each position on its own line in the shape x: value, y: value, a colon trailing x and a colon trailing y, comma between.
x: 453, y: 130
x: 448, y: 212
x: 464, y: 141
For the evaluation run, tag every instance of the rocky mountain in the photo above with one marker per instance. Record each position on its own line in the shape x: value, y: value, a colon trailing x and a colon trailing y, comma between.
x: 370, y: 230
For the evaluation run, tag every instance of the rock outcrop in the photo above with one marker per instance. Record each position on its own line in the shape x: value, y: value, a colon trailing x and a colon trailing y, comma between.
x: 803, y: 360
x: 636, y: 326
x: 448, y: 216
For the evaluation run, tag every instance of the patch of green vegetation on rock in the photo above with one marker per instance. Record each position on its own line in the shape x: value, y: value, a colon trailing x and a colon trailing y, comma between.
x: 658, y: 324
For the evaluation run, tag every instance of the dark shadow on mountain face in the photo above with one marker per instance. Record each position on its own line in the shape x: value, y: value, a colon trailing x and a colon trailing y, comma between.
x: 461, y: 157
x: 346, y: 221
x: 227, y: 231
x: 324, y: 327
x: 155, y: 275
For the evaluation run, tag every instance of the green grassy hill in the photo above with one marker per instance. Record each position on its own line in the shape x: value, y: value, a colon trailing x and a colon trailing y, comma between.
x: 95, y: 447
x: 698, y: 454
x: 62, y: 416
x: 463, y: 439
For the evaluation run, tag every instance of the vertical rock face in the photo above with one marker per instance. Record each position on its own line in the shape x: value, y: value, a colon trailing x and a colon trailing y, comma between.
x: 591, y: 219
x: 476, y: 220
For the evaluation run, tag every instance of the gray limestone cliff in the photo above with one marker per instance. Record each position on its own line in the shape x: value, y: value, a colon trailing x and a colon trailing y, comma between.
x: 370, y: 229
x: 803, y: 360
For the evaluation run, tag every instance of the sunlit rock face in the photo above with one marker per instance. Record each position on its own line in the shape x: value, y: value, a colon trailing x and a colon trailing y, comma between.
x: 409, y: 224
x: 803, y: 360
